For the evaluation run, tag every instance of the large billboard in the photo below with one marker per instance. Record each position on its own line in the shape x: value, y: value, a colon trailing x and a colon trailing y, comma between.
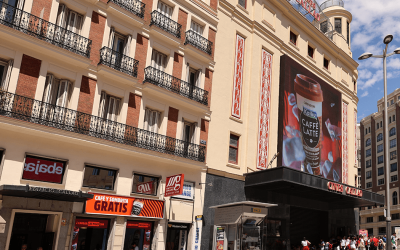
x: 310, y: 122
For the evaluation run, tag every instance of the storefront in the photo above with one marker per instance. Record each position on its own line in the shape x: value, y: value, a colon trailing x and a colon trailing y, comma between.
x: 177, y: 236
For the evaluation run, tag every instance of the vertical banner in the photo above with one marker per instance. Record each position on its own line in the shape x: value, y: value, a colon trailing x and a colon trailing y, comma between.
x: 182, y: 239
x: 344, y: 144
x: 238, y: 77
x: 263, y: 119
x: 355, y: 139
x: 198, y: 225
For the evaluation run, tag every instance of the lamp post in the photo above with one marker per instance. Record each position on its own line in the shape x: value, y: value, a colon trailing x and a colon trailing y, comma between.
x: 386, y: 41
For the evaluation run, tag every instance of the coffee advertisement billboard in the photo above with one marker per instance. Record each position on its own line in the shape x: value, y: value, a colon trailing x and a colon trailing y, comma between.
x: 309, y: 122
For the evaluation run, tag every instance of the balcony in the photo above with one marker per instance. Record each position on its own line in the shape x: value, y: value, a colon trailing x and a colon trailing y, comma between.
x: 118, y: 61
x: 34, y: 111
x: 165, y: 23
x: 198, y: 41
x: 176, y: 85
x: 331, y: 3
x: 133, y: 6
x: 44, y: 30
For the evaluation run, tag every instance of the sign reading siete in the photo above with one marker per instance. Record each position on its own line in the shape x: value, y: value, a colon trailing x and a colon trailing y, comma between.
x: 40, y: 169
x: 174, y: 185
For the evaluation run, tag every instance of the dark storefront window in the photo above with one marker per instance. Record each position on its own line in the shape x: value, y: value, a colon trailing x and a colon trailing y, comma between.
x: 90, y: 234
x: 145, y: 184
x: 138, y: 234
x: 382, y: 230
x: 101, y: 178
x: 177, y: 234
x: 370, y: 231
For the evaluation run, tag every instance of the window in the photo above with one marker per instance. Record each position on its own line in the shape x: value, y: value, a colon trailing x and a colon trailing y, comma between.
x: 326, y: 63
x: 370, y: 219
x: 381, y: 182
x: 369, y: 129
x: 380, y: 171
x: 393, y: 178
x: 109, y: 107
x: 394, y: 198
x: 5, y: 74
x: 368, y: 142
x: 380, y: 148
x: 370, y: 231
x: 164, y: 9
x: 56, y: 91
x: 188, y: 131
x: 393, y: 143
x: 393, y: 155
x: 382, y: 230
x: 193, y: 76
x: 369, y: 184
x: 380, y: 159
x: 324, y: 26
x: 233, y: 149
x: 101, y: 178
x: 393, y: 167
x: 69, y: 19
x: 366, y: 131
x: 392, y: 131
x: 381, y: 218
x: 394, y: 118
x: 310, y: 51
x: 391, y: 103
x: 381, y: 124
x: 395, y: 216
x: 152, y: 120
x: 368, y: 164
x: 145, y: 184
x: 293, y: 38
x: 390, y: 119
x: 197, y: 28
x: 368, y: 152
x: 243, y: 3
x: 348, y: 33
x: 338, y: 25
x: 377, y: 125
x: 368, y: 174
x: 379, y: 137
x: 120, y: 44
x: 159, y: 60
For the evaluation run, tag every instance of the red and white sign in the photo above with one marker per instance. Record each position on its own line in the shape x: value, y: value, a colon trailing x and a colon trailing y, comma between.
x: 238, y: 77
x: 145, y: 188
x: 335, y: 187
x: 309, y: 6
x: 354, y: 191
x: 349, y: 190
x: 39, y: 169
x: 174, y: 185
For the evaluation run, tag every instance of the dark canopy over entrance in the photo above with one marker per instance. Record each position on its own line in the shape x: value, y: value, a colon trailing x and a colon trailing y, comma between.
x: 295, y: 188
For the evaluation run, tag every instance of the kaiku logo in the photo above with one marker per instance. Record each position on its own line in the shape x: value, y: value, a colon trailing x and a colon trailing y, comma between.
x: 145, y: 188
x: 40, y: 169
x: 174, y: 185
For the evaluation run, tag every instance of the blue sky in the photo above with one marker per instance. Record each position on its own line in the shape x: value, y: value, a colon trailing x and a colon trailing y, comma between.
x: 372, y: 21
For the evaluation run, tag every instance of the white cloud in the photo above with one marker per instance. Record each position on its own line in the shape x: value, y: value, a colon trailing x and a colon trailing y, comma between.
x: 364, y: 94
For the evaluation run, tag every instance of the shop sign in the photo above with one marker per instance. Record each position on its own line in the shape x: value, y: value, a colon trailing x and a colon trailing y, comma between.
x: 349, y: 190
x: 354, y: 191
x: 188, y: 191
x: 138, y: 224
x: 255, y: 210
x: 309, y: 6
x: 53, y: 190
x: 145, y: 188
x: 124, y: 206
x: 174, y: 185
x: 92, y: 223
x: 40, y: 169
x: 197, y: 234
x: 178, y: 226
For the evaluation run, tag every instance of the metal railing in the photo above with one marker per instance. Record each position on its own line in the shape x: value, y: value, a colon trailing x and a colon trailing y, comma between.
x: 34, y: 111
x: 165, y: 23
x: 134, y: 6
x: 176, y: 85
x: 118, y: 61
x: 198, y: 41
x: 44, y: 30
x: 330, y: 3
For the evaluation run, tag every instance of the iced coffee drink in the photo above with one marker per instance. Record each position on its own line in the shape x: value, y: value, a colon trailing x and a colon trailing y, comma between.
x: 309, y: 102
x: 137, y: 207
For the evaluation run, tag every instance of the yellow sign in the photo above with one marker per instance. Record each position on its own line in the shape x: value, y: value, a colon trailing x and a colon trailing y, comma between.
x: 255, y: 210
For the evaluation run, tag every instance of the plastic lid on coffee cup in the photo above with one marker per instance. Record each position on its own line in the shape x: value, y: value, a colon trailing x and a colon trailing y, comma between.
x: 308, y: 88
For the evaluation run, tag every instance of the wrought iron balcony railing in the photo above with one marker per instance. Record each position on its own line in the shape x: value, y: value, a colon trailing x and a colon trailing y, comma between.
x: 44, y: 30
x: 198, y: 41
x: 34, y: 111
x: 176, y: 85
x: 134, y: 6
x: 118, y: 61
x: 165, y: 23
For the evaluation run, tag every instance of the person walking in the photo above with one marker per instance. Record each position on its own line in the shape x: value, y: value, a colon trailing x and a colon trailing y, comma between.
x: 353, y: 243
x: 305, y: 243
x: 361, y: 244
x: 321, y: 244
x: 343, y: 243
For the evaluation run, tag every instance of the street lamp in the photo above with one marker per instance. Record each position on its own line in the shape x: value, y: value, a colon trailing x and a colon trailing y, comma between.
x: 386, y: 41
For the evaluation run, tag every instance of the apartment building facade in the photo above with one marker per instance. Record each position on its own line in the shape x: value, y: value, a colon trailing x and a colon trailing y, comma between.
x: 372, y: 163
x: 101, y: 101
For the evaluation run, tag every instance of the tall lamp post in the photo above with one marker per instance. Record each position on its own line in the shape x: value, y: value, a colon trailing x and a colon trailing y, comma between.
x: 367, y: 55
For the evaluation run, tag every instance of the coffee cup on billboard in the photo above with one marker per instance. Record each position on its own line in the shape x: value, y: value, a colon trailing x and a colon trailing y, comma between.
x: 309, y: 102
x: 148, y: 235
x: 137, y: 206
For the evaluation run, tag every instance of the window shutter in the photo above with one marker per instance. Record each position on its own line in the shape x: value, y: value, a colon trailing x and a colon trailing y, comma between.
x: 156, y: 118
x: 6, y: 77
x: 102, y: 104
x: 62, y: 95
x: 111, y: 39
x: 127, y: 47
x: 187, y: 72
x: 61, y: 16
x: 20, y: 4
x: 146, y: 119
x: 198, y: 77
x: 192, y: 129
x: 48, y: 88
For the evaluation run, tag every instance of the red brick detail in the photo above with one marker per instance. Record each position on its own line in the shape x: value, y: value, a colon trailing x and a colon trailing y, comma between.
x: 211, y: 37
x: 172, y: 122
x: 208, y: 84
x: 86, y: 95
x: 39, y: 5
x: 214, y: 4
x: 178, y: 64
x: 141, y: 55
x: 132, y: 118
x: 182, y: 20
x: 96, y: 35
x: 28, y: 76
x: 147, y: 11
x: 204, y: 132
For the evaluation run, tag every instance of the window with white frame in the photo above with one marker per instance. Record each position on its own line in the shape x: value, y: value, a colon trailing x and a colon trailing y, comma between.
x: 57, y: 91
x: 159, y: 60
x: 188, y: 131
x: 5, y: 74
x: 69, y: 19
x: 119, y: 43
x: 196, y: 28
x: 152, y: 120
x: 164, y: 9
x: 109, y: 107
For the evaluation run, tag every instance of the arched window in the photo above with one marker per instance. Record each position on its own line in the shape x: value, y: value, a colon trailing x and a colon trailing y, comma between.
x: 379, y: 137
x: 394, y: 198
x: 392, y: 131
x: 368, y: 142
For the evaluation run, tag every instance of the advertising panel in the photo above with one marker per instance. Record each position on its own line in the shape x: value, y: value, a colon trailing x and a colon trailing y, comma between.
x: 174, y: 185
x: 125, y: 206
x: 310, y: 122
x: 363, y: 232
x: 41, y: 169
x: 145, y: 188
x: 188, y: 191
